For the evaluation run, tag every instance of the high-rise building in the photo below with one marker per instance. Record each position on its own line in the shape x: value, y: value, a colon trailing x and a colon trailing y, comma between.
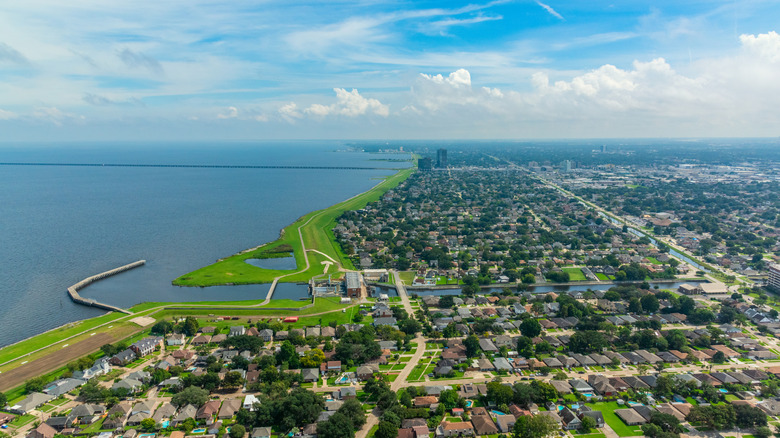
x: 566, y: 166
x: 774, y: 277
x: 425, y: 163
x: 441, y: 158
x: 603, y: 148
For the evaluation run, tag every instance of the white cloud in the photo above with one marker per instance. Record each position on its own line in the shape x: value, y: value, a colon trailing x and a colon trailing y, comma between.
x: 459, y: 78
x: 549, y: 9
x: 54, y: 115
x: 718, y: 96
x: 349, y: 104
x: 232, y: 113
x: 766, y: 46
x: 7, y: 115
x: 290, y: 112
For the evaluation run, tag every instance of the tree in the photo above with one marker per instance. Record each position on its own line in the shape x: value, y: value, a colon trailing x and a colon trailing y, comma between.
x: 191, y: 395
x: 649, y: 303
x: 525, y: 346
x: 162, y: 327
x: 410, y: 326
x: 312, y: 358
x: 762, y: 432
x: 749, y: 417
x: 232, y: 379
x: 498, y: 393
x: 35, y: 384
x: 587, y: 424
x: 190, y: 326
x: 701, y: 317
x: 353, y: 410
x: 472, y: 346
x: 237, y: 431
x: 299, y: 408
x: 587, y: 341
x: 3, y: 399
x: 449, y: 398
x: 337, y: 426
x: 719, y: 357
x: 531, y: 328
x: 446, y: 302
x: 727, y: 315
x: 148, y: 424
x: 634, y: 305
x: 386, y: 429
x: 538, y: 426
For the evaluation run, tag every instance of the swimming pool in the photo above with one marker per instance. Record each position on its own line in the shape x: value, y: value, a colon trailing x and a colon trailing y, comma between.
x: 588, y: 395
x: 198, y: 430
x: 165, y: 424
x: 498, y: 412
x: 469, y: 403
x: 147, y: 435
x: 722, y: 390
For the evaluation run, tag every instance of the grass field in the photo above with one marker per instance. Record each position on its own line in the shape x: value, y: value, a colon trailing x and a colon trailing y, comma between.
x: 622, y: 429
x: 315, y: 229
x: 575, y: 274
x: 45, y: 339
x: 407, y: 276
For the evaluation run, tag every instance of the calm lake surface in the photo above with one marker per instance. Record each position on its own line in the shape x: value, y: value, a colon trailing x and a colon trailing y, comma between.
x: 62, y: 224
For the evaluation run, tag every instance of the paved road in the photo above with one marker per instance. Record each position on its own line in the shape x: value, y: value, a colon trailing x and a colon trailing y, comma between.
x: 400, y: 381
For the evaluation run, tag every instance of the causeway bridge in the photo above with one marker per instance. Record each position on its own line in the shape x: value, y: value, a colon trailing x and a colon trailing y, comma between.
x: 73, y: 291
x: 198, y: 166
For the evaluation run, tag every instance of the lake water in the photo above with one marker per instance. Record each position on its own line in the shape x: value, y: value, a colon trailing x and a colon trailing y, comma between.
x: 62, y: 224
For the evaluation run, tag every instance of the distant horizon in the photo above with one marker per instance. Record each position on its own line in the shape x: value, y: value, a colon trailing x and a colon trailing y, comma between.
x: 379, y: 140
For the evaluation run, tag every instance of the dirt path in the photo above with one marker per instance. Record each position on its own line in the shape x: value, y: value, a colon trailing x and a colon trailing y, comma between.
x: 19, y: 375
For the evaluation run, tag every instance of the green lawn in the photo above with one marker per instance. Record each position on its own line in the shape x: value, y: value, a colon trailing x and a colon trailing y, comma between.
x: 608, y: 410
x: 654, y: 261
x: 575, y: 274
x: 407, y: 276
x: 22, y: 420
x: 316, y: 230
x: 13, y: 351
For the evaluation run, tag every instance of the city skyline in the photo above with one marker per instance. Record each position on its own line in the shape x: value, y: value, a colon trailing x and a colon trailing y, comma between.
x: 394, y: 70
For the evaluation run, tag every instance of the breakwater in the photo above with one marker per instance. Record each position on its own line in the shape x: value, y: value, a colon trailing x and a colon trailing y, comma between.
x: 73, y: 291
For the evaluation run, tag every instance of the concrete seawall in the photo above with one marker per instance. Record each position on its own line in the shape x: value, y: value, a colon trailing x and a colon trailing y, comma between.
x: 73, y: 291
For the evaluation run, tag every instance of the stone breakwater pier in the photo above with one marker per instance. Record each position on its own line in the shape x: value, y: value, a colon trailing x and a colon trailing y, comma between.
x: 73, y: 291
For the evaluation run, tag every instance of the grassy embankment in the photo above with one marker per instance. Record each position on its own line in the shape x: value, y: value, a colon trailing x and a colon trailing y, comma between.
x: 316, y: 230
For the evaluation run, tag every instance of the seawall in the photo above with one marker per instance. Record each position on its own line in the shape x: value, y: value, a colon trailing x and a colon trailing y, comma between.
x: 73, y: 291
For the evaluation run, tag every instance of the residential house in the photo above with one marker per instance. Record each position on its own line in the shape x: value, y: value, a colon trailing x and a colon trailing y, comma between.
x: 229, y: 408
x: 123, y: 357
x: 458, y: 429
x: 147, y: 345
x: 208, y: 410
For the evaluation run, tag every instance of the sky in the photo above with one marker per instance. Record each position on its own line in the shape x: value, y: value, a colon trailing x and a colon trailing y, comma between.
x: 374, y: 69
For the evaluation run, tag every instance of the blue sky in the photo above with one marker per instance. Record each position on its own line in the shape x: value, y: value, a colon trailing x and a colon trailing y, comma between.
x: 82, y: 70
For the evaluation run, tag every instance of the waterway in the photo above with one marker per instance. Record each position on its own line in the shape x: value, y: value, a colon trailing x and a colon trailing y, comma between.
x: 546, y: 288
x: 63, y: 224
x: 672, y: 251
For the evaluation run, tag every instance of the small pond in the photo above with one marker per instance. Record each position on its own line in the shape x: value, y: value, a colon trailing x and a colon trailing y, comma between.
x: 276, y: 263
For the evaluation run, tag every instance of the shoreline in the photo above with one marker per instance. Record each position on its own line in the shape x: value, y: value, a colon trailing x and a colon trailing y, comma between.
x: 377, y: 190
x: 318, y: 239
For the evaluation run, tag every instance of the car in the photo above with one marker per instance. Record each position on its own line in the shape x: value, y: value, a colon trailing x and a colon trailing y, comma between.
x: 580, y: 372
x: 526, y: 378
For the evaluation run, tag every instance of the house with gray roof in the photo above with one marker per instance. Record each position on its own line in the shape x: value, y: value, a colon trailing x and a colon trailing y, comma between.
x: 31, y: 402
